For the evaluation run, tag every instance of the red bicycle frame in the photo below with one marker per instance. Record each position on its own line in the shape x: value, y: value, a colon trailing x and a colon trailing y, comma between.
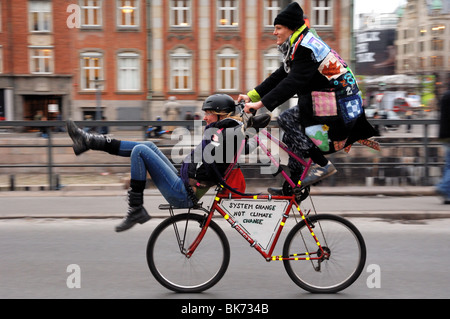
x: 292, y: 201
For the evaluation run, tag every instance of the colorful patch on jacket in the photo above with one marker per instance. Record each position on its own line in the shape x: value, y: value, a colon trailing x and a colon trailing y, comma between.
x: 318, y: 47
x: 331, y: 67
x: 351, y: 108
x: 345, y: 85
x: 339, y: 58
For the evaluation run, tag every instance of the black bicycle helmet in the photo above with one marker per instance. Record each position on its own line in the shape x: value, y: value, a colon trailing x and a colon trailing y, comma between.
x: 221, y: 103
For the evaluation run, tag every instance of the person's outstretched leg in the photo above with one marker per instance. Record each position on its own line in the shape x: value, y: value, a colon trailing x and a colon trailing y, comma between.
x: 136, y: 212
x: 147, y: 157
x: 83, y: 141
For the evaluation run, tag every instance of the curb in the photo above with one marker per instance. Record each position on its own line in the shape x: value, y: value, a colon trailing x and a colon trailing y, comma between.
x: 120, y: 189
x: 371, y: 194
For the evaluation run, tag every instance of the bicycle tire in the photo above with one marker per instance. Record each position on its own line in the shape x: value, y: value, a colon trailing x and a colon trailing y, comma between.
x: 341, y: 239
x: 172, y: 269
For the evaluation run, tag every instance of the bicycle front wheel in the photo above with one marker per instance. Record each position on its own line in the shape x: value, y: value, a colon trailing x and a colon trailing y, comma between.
x: 330, y: 269
x: 167, y: 260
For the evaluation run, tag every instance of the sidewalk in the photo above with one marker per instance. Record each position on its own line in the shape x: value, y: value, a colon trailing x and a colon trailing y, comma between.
x: 403, y: 203
x: 37, y: 185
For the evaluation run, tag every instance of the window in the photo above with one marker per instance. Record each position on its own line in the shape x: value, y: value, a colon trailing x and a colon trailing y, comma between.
x: 322, y: 13
x: 437, y: 30
x: 91, y: 12
x: 180, y: 70
x: 437, y: 61
x: 272, y: 61
x: 227, y: 13
x: 437, y: 44
x: 180, y: 13
x: 91, y: 70
x: 128, y: 72
x: 227, y: 70
x: 406, y: 65
x: 422, y: 46
x: 422, y: 62
x: 127, y: 13
x: 423, y: 31
x: 272, y: 8
x: 40, y: 16
x: 41, y: 60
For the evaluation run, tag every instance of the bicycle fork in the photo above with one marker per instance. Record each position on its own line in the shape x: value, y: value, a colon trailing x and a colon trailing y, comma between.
x: 181, y: 241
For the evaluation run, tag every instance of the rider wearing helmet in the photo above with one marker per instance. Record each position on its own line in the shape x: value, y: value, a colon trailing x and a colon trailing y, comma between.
x: 219, y: 103
x: 203, y: 168
x: 215, y: 152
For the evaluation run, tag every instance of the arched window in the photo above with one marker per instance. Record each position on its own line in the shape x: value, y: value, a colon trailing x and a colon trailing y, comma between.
x: 272, y: 61
x: 180, y: 70
x: 227, y: 70
x: 91, y: 70
x: 128, y: 77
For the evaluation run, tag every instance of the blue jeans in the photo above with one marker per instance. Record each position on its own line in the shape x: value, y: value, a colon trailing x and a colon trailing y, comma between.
x: 444, y: 186
x: 145, y: 157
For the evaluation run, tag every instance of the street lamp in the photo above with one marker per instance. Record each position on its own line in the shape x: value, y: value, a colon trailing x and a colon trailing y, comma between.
x: 127, y: 9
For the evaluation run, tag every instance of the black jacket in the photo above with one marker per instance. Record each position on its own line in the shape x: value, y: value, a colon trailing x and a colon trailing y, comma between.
x: 303, y: 78
x: 219, y: 146
x: 316, y: 67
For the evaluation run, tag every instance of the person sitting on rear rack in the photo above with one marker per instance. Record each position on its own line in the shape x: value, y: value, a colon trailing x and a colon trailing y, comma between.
x: 203, y: 168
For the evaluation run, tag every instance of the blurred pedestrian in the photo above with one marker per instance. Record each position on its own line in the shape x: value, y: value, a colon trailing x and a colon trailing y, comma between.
x: 443, y: 187
x: 409, y: 116
x: 104, y: 129
x: 38, y: 116
x: 188, y: 117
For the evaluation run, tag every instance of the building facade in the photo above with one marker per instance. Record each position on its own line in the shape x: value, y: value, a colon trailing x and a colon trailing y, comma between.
x: 34, y: 74
x: 203, y: 47
x: 125, y: 59
x: 375, y: 44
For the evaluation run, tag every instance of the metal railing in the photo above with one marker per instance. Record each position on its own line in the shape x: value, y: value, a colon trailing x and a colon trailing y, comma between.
x: 50, y: 165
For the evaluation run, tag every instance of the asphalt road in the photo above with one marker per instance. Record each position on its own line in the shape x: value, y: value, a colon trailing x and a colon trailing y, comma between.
x: 38, y: 255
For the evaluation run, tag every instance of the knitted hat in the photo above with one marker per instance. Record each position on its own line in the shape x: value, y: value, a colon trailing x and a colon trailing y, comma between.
x: 291, y: 17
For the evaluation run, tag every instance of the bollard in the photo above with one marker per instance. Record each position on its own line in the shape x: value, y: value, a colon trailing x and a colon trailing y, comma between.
x: 12, y: 183
x: 57, y: 182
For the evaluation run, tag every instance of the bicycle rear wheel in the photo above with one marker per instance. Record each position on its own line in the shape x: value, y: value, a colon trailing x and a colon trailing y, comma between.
x: 338, y: 268
x: 167, y: 260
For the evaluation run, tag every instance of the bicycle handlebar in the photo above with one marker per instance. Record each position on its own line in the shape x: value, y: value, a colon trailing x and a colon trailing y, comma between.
x: 241, y: 105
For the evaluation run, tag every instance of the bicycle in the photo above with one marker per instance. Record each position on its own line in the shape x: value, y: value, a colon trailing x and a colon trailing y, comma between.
x: 322, y: 253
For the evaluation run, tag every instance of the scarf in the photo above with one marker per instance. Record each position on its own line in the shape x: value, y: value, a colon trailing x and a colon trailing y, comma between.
x: 286, y: 48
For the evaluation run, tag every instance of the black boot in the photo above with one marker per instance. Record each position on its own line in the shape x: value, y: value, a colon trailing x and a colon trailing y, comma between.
x: 83, y: 141
x: 286, y: 190
x: 136, y: 212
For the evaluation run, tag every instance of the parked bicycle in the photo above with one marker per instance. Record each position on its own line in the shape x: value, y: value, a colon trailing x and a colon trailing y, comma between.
x: 322, y: 253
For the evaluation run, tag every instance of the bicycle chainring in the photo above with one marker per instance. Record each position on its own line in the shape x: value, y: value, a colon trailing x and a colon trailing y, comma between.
x: 301, y: 193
